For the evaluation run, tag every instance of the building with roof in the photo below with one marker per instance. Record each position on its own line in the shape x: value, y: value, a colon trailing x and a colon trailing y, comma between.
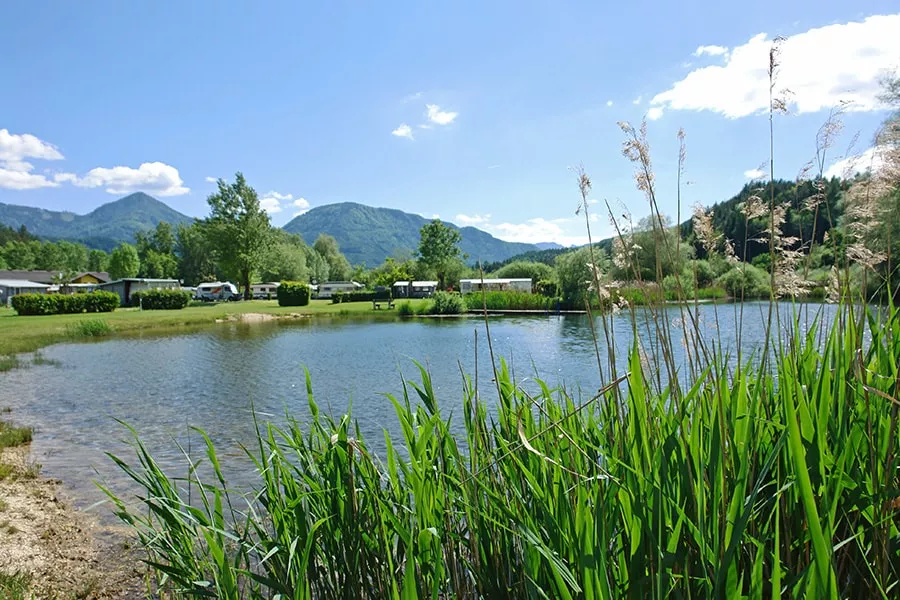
x: 327, y: 288
x: 128, y: 286
x: 414, y: 289
x: 55, y: 277
x: 14, y: 287
x: 467, y: 286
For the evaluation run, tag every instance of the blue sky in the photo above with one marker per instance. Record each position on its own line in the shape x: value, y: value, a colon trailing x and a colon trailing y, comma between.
x: 468, y: 110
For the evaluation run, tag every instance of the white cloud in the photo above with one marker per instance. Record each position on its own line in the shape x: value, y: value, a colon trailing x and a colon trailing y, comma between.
x: 438, y: 116
x: 404, y: 131
x: 270, y: 205
x: 273, y: 202
x: 435, y: 216
x: 609, y: 102
x: 821, y: 67
x: 15, y: 171
x: 473, y: 219
x: 537, y: 230
x: 654, y: 113
x: 411, y: 97
x: 209, y: 179
x: 710, y: 50
x: 870, y: 160
x: 754, y: 174
x: 637, y: 100
x: 301, y: 203
x: 155, y: 178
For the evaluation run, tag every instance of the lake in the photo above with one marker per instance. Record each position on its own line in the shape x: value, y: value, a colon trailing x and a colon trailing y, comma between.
x: 162, y: 385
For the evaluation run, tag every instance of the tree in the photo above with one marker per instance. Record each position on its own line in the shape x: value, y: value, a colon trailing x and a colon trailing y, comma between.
x: 392, y: 271
x: 195, y: 258
x: 338, y: 265
x: 523, y: 269
x: 74, y: 256
x: 318, y: 266
x: 438, y: 248
x: 238, y: 229
x: 286, y: 259
x: 156, y: 251
x: 124, y: 262
x: 20, y: 254
x: 574, y: 273
x: 97, y: 261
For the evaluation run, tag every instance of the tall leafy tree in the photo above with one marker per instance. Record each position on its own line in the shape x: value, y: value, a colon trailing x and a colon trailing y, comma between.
x: 124, y: 262
x: 438, y: 248
x: 156, y: 250
x: 238, y: 229
x: 338, y: 265
x: 318, y: 266
x: 97, y: 261
x: 286, y: 259
x: 196, y: 262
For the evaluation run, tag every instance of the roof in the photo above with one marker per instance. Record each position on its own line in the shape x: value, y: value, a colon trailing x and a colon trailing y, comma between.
x: 140, y: 280
x: 354, y: 283
x: 416, y: 283
x: 513, y: 280
x: 29, y: 275
x: 103, y: 276
x: 22, y: 283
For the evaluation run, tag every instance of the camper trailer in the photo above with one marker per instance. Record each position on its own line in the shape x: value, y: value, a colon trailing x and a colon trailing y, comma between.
x: 217, y: 290
x: 264, y: 291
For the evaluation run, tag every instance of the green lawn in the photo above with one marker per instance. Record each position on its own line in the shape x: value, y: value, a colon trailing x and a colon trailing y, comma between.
x: 26, y: 334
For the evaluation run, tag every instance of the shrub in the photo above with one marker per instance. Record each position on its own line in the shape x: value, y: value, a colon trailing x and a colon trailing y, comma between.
x: 164, y: 299
x: 510, y: 301
x: 293, y: 293
x: 89, y: 328
x: 447, y: 303
x: 58, y: 304
x: 365, y: 296
x: 405, y: 309
x: 745, y: 280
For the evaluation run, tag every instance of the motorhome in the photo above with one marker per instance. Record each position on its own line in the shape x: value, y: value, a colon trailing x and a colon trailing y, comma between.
x: 264, y: 291
x: 217, y: 290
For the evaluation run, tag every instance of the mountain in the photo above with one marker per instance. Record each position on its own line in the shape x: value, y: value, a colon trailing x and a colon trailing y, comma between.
x: 549, y: 246
x: 367, y: 235
x: 103, y: 228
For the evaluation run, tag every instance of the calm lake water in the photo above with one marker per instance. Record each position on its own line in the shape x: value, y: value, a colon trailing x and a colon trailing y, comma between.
x: 162, y: 385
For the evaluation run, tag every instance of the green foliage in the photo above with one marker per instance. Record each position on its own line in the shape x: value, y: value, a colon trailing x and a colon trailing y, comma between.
x: 510, y: 301
x: 286, y: 259
x: 156, y: 253
x: 405, y: 309
x: 446, y: 303
x: 745, y: 281
x: 12, y: 436
x: 392, y: 271
x: 535, y: 271
x: 124, y: 262
x: 338, y: 266
x: 361, y: 296
x: 438, y: 248
x: 56, y: 304
x: 293, y: 293
x: 748, y: 484
x: 161, y: 299
x: 97, y: 261
x: 574, y: 274
x: 89, y: 328
x: 238, y: 229
x: 368, y: 235
x: 196, y: 262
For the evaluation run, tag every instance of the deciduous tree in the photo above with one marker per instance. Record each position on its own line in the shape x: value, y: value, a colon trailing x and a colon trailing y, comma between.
x: 438, y: 248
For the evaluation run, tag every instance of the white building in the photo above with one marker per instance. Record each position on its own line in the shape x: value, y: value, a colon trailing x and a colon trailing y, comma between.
x: 14, y: 287
x: 467, y: 286
x: 327, y: 288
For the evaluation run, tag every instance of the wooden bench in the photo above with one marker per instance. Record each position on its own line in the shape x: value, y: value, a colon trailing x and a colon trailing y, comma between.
x: 376, y: 304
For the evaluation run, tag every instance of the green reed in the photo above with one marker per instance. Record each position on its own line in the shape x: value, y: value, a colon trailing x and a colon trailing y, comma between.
x: 747, y: 484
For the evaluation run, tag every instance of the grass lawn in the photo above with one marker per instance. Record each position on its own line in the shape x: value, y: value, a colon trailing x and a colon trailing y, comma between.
x: 26, y: 334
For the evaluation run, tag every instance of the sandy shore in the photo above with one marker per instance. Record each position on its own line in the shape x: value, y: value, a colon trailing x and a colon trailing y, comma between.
x: 63, y: 552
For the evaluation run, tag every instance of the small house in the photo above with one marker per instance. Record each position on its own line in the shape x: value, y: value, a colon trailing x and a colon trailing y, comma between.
x: 128, y: 286
x: 14, y: 287
x: 328, y: 288
x: 467, y: 286
x: 264, y: 291
x: 95, y: 277
x: 414, y: 289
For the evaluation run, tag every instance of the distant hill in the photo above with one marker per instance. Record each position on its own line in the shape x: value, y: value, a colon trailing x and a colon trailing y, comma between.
x: 549, y: 246
x: 103, y: 228
x: 367, y: 235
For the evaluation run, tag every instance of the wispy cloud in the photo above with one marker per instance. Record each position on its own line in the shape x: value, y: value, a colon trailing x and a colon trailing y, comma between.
x: 411, y: 97
x: 404, y: 131
x: 654, y: 113
x: 822, y: 67
x: 439, y: 117
x: 871, y: 160
x: 210, y: 179
x: 754, y: 174
x: 710, y: 50
x: 472, y: 219
x: 494, y: 166
x: 637, y: 100
x: 609, y: 102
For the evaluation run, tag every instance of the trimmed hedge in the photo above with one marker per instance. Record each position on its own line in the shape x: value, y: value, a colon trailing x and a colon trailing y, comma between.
x: 162, y: 299
x: 293, y: 293
x: 366, y: 296
x: 59, y: 304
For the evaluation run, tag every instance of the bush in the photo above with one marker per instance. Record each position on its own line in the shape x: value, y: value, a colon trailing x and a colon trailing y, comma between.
x: 164, y: 299
x: 447, y: 303
x: 405, y: 309
x: 89, y: 328
x: 293, y: 293
x: 365, y: 296
x: 510, y: 301
x: 746, y: 281
x: 58, y: 304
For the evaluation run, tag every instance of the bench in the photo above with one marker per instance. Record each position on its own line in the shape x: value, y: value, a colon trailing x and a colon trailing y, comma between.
x: 376, y: 304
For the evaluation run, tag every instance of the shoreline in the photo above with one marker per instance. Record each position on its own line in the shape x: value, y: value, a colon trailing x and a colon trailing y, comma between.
x: 50, y: 549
